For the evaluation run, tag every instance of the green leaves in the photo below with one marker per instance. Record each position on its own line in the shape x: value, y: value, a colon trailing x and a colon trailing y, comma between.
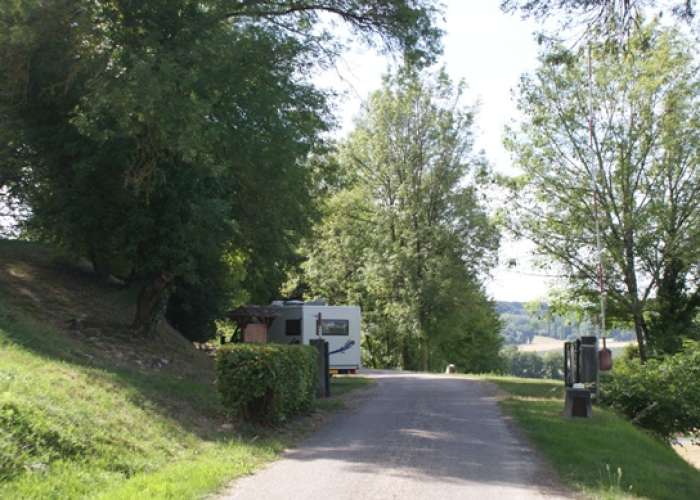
x: 266, y: 383
x: 638, y: 174
x: 156, y: 137
x: 408, y: 27
x: 662, y: 395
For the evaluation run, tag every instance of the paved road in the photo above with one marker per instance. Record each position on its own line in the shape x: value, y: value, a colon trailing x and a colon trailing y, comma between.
x: 414, y: 437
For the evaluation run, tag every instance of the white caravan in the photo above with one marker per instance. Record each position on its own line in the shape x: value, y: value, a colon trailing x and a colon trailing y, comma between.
x: 339, y: 325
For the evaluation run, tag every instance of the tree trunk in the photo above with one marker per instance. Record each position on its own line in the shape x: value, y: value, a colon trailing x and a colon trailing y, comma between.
x: 640, y: 330
x: 151, y: 304
x: 630, y: 274
x: 98, y: 266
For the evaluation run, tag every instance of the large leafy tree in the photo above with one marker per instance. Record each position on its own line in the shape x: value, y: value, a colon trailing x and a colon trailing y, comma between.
x: 165, y: 139
x: 613, y: 19
x: 406, y: 236
x: 640, y: 178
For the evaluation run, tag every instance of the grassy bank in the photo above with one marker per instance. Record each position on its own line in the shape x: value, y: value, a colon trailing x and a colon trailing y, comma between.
x: 70, y: 430
x: 90, y: 412
x: 603, y: 457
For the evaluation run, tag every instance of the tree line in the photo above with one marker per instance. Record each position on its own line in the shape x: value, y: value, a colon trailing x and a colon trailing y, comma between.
x: 168, y: 141
x: 182, y: 148
x: 522, y: 321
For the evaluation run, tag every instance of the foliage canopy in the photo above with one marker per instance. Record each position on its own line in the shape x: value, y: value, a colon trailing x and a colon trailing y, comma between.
x: 404, y: 233
x: 639, y: 179
x: 167, y: 140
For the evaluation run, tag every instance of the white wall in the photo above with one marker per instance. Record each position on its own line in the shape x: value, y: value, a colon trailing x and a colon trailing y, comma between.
x: 308, y: 315
x: 349, y: 358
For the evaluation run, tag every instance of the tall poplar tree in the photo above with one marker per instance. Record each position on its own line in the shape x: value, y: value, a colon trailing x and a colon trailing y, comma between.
x: 407, y: 237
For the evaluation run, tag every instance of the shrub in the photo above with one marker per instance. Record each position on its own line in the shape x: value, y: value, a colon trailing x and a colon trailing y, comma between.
x: 631, y: 351
x: 662, y: 395
x: 192, y: 310
x: 266, y: 383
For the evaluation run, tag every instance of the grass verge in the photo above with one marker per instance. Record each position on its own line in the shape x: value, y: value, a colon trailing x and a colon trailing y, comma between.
x: 340, y: 386
x: 602, y: 457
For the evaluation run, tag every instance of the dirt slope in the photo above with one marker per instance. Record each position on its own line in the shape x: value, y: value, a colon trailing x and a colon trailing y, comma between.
x: 92, y: 315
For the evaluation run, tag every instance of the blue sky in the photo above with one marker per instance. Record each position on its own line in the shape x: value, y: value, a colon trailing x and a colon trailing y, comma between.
x: 489, y: 50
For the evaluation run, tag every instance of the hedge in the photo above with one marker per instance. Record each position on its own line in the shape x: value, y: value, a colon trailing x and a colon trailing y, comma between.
x: 266, y: 383
x: 662, y: 395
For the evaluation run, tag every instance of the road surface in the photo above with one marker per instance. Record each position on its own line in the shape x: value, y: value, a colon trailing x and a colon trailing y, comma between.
x: 414, y: 436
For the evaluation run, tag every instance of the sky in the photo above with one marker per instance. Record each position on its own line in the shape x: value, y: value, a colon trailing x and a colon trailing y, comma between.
x: 489, y: 50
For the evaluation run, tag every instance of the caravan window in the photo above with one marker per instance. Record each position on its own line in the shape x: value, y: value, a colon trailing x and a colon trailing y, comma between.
x: 293, y: 327
x: 335, y: 327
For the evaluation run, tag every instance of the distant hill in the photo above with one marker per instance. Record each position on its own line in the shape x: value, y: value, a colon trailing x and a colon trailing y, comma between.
x: 519, y: 327
x: 510, y: 307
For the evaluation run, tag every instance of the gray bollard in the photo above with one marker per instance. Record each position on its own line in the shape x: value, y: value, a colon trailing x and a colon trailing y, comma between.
x: 577, y: 403
x: 324, y: 379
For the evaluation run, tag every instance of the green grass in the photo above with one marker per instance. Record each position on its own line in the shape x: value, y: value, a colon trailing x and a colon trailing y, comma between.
x: 530, y: 388
x: 604, y: 456
x: 342, y: 384
x: 69, y: 430
x: 84, y: 415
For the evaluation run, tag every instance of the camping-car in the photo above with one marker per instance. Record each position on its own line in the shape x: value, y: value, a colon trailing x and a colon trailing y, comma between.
x: 300, y: 322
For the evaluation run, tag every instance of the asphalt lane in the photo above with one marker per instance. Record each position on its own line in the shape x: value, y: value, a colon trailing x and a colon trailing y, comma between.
x: 414, y: 436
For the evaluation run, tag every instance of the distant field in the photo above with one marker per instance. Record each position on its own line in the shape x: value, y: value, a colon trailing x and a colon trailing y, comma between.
x: 547, y: 344
x: 688, y: 450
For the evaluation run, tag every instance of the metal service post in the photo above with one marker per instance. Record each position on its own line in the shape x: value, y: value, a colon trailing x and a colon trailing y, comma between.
x: 324, y: 379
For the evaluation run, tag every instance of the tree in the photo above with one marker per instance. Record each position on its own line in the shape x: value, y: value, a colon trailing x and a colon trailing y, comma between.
x: 157, y: 138
x: 406, y: 236
x: 612, y: 19
x: 639, y: 178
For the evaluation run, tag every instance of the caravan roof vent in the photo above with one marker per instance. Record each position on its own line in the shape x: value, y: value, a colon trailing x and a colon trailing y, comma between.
x: 293, y: 302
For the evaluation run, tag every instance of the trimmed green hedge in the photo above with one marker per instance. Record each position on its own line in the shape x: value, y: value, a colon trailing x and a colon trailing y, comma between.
x: 266, y: 383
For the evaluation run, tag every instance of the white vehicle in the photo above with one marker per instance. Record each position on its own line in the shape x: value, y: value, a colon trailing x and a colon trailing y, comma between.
x: 298, y: 323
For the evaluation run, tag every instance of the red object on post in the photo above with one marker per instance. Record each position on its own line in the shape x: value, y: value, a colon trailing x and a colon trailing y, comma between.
x: 605, y: 360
